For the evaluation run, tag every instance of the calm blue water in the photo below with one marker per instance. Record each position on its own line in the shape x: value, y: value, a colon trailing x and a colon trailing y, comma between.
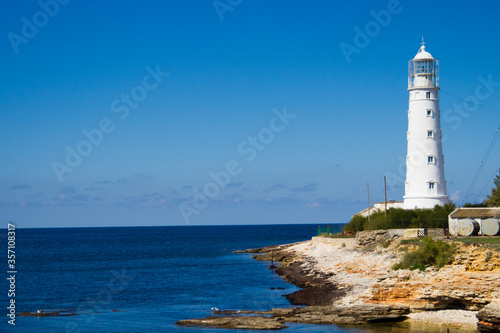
x: 144, y: 279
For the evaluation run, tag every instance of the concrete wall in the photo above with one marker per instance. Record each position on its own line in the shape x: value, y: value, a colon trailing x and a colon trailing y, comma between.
x: 453, y: 226
x: 350, y: 243
x: 396, y: 232
x: 410, y: 233
x: 390, y: 204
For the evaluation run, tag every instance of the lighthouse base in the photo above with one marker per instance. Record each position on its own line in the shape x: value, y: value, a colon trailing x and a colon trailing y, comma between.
x: 425, y: 202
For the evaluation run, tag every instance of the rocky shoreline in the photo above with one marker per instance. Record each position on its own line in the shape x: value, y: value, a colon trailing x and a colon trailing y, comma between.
x: 316, y: 287
x: 351, y: 282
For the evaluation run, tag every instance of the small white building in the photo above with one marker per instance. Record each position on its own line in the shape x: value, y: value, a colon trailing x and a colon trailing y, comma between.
x: 425, y: 185
x: 475, y: 221
x: 380, y: 207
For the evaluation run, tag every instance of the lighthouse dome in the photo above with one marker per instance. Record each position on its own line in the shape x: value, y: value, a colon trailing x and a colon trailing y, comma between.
x: 423, y: 54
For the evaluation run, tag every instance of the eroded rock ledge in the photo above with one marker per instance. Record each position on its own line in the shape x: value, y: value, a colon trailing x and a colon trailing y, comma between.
x: 489, y: 318
x: 276, y: 318
x: 235, y: 322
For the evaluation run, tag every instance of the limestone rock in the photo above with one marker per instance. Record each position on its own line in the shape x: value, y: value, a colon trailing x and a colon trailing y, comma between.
x: 235, y: 322
x: 341, y: 315
x: 489, y: 318
x: 353, y: 314
x: 370, y: 236
x: 477, y: 258
x: 363, y: 288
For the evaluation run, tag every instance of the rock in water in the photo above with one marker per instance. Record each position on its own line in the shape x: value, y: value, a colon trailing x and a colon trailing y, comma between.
x: 343, y: 315
x: 489, y: 318
x: 236, y: 322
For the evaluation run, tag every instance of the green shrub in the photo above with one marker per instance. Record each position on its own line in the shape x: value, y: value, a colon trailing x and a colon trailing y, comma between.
x: 356, y: 224
x: 398, y: 218
x: 412, y: 241
x: 494, y: 199
x: 469, y: 205
x: 430, y: 253
x: 479, y: 240
x: 492, y: 243
x: 387, y: 243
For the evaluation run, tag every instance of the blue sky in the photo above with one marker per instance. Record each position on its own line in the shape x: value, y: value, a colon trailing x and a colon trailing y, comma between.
x: 257, y: 92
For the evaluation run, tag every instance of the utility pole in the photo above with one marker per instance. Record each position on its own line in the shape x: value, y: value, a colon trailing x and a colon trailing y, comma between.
x: 368, y: 191
x: 385, y: 198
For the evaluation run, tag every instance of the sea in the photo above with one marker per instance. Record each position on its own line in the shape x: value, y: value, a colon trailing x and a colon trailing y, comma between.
x: 145, y: 279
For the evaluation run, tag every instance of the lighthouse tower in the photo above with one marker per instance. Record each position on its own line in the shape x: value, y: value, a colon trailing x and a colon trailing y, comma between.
x: 425, y: 186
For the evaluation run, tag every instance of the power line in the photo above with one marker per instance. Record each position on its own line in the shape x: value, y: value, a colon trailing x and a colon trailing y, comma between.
x: 480, y: 168
x: 494, y: 174
x: 463, y: 100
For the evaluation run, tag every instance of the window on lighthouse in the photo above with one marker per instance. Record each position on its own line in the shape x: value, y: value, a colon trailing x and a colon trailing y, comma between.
x: 431, y: 186
x: 429, y: 113
x: 430, y: 159
x: 428, y: 95
x: 430, y: 134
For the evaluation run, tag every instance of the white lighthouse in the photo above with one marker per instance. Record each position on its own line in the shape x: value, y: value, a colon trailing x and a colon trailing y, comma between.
x: 425, y: 185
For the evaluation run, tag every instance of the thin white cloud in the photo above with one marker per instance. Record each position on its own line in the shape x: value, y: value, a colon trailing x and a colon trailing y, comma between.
x: 275, y: 187
x: 20, y: 187
x: 306, y: 188
x: 455, y: 196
